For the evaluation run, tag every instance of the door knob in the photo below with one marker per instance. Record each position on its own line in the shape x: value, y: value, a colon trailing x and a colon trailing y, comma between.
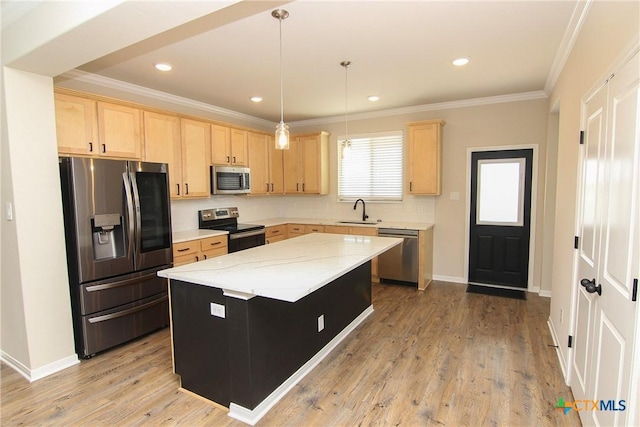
x: 590, y: 286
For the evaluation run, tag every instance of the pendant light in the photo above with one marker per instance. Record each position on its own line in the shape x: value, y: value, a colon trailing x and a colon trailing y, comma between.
x: 282, y: 130
x: 346, y: 143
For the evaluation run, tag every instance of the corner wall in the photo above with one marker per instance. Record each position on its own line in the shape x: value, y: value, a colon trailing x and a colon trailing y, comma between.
x: 609, y: 31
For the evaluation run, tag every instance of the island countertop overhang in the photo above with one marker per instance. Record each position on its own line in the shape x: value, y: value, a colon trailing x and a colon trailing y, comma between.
x: 288, y: 270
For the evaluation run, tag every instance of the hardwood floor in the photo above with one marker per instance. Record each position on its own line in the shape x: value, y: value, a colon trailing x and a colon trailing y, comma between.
x: 438, y: 357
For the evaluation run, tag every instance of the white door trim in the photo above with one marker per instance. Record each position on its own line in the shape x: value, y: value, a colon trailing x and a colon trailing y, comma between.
x: 531, y: 287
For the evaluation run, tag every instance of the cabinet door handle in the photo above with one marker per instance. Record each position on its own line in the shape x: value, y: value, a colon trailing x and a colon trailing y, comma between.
x: 303, y: 187
x: 104, y: 148
x: 183, y: 250
x: 272, y: 187
x: 297, y: 187
x: 205, y: 256
x: 275, y: 231
x: 410, y: 186
x: 186, y: 187
x: 178, y: 186
x: 234, y: 159
x: 267, y: 187
x: 215, y: 243
x: 91, y: 147
x: 228, y: 159
x: 197, y: 258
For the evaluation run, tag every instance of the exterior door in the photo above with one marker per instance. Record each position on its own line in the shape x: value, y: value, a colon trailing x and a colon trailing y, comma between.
x: 500, y: 217
x: 608, y: 252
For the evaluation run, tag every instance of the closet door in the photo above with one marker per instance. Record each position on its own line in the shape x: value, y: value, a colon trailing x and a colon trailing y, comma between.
x: 609, y: 252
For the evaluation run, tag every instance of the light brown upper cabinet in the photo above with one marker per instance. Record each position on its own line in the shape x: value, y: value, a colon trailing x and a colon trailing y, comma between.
x: 306, y: 164
x: 76, y: 125
x: 195, y: 153
x: 229, y: 146
x: 220, y: 145
x: 162, y: 145
x: 425, y: 157
x: 265, y: 163
x: 95, y: 128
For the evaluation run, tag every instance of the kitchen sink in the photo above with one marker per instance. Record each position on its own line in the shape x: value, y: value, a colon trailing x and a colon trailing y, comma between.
x: 356, y: 222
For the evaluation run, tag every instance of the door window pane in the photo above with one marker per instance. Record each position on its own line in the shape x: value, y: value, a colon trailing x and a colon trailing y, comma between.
x: 500, y: 192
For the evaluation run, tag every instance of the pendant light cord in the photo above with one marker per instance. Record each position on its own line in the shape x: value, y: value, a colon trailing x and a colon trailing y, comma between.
x: 346, y: 64
x: 281, y: 91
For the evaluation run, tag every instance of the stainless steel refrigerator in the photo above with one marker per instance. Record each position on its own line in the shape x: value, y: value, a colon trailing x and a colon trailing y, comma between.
x: 118, y: 235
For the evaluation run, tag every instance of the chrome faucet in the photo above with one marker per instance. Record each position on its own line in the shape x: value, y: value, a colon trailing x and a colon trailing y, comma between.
x: 364, y: 212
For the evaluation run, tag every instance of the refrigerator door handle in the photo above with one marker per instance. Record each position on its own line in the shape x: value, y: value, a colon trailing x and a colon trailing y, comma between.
x: 130, y: 213
x: 136, y: 208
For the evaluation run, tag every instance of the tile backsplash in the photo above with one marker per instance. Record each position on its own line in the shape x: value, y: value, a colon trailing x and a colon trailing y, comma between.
x: 184, y: 213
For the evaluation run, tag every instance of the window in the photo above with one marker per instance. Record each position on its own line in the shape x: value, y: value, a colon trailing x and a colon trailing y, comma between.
x: 371, y: 168
x: 500, y: 192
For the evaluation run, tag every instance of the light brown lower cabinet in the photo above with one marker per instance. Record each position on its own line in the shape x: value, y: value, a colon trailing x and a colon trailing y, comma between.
x: 275, y: 233
x: 199, y: 250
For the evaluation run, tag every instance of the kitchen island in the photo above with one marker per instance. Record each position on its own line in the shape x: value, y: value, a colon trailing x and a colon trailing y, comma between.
x: 247, y: 326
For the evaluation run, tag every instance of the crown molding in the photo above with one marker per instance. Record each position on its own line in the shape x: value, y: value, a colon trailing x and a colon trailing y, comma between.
x: 107, y: 82
x: 473, y: 102
x: 566, y: 44
x: 94, y: 79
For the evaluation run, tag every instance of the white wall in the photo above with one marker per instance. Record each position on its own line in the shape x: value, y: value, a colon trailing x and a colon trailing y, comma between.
x: 610, y: 29
x: 36, y: 278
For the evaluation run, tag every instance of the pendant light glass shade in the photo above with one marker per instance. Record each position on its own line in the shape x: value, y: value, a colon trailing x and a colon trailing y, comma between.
x: 282, y: 136
x: 282, y: 130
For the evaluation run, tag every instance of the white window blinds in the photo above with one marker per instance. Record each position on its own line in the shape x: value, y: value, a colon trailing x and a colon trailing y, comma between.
x: 371, y: 168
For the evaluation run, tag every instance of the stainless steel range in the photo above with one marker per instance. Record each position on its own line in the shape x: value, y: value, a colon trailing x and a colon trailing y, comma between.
x: 241, y: 236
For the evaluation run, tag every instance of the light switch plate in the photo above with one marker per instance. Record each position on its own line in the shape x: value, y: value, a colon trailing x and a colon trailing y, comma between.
x: 217, y: 310
x: 320, y: 322
x: 9, y: 211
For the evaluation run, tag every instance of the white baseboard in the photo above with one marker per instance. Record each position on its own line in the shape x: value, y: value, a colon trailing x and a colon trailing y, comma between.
x: 545, y: 293
x: 452, y: 279
x: 554, y: 337
x: 252, y: 416
x: 32, y: 375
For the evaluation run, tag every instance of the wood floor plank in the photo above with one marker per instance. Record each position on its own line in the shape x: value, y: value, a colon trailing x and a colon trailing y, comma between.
x: 434, y: 357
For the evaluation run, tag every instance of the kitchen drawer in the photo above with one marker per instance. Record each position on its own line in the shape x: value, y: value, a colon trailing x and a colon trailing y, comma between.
x: 337, y: 229
x: 185, y: 248
x: 295, y: 229
x: 217, y: 242
x: 276, y: 231
x: 314, y: 228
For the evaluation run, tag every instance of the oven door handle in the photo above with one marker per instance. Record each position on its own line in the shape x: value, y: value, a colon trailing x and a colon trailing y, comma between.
x: 246, y: 234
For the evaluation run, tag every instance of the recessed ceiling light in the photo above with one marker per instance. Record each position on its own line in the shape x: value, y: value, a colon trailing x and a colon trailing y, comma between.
x: 163, y: 66
x: 256, y: 99
x: 373, y: 98
x: 459, y: 62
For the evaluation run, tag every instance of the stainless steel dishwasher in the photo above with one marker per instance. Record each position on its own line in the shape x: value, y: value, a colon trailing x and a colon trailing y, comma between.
x: 399, y: 263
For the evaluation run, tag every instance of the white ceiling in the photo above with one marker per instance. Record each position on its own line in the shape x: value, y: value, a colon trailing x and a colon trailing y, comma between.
x: 400, y: 50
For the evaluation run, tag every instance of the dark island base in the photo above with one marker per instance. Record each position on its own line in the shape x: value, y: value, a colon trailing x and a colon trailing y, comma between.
x: 261, y: 342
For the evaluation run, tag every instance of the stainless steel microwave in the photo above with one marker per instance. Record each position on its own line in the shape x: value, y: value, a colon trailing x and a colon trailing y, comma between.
x: 230, y: 180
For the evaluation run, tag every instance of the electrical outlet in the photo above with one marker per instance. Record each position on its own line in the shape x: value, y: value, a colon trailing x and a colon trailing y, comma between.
x: 9, y: 211
x: 217, y: 310
x: 320, y: 322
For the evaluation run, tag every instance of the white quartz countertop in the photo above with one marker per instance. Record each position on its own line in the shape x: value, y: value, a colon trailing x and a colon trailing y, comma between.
x: 287, y: 270
x: 185, y: 236
x: 270, y: 222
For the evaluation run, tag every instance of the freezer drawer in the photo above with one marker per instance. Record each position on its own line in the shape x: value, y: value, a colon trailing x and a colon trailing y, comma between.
x: 105, y: 294
x: 109, y: 328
